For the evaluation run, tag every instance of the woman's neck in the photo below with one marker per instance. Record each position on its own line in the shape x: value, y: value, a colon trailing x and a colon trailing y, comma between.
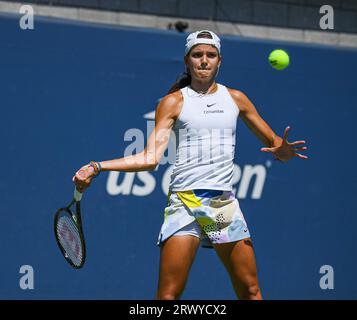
x: 203, y: 87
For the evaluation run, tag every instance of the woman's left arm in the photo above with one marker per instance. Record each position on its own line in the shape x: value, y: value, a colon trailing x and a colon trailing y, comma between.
x: 279, y: 147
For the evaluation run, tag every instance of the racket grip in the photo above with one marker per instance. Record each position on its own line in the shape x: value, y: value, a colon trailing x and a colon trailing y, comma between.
x: 77, y: 195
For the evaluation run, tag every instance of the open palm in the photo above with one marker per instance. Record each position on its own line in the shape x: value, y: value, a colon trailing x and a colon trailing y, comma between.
x: 287, y: 150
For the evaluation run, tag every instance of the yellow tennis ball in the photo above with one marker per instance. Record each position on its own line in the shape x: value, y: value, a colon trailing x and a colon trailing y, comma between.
x: 279, y: 59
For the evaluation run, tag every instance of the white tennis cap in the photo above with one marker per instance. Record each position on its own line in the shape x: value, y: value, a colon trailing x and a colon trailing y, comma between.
x: 192, y: 40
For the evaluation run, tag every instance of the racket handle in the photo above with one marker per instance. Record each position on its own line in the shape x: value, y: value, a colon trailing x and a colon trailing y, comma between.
x: 77, y: 195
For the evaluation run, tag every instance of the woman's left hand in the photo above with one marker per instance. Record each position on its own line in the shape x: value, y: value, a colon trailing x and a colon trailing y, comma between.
x: 287, y: 150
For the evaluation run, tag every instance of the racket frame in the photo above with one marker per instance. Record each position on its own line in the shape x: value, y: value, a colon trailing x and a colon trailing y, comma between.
x: 76, y: 217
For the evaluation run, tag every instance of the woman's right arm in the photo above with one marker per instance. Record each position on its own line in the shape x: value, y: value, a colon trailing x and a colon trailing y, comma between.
x: 166, y: 113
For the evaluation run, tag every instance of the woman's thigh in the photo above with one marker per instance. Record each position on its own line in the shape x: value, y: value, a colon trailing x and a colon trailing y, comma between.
x: 239, y: 259
x: 176, y: 258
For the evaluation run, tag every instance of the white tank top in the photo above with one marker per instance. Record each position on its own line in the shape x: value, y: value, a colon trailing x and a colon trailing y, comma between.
x: 205, y: 135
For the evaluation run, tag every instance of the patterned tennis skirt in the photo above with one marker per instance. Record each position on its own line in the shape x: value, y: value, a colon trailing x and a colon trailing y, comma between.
x: 217, y: 213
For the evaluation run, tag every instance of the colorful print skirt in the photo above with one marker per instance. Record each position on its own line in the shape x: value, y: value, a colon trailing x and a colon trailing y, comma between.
x: 217, y: 213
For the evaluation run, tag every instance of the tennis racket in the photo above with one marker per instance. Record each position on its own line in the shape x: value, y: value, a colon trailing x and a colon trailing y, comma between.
x: 69, y: 232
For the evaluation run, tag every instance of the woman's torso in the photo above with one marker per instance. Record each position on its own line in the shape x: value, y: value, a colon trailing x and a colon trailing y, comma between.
x: 205, y: 135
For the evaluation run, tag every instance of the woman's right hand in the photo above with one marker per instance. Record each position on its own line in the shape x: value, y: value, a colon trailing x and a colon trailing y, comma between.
x: 83, y: 177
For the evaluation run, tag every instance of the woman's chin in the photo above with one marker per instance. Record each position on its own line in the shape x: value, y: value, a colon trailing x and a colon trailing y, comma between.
x: 204, y: 76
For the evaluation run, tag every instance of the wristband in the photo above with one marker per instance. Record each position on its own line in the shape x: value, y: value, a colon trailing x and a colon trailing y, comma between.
x: 97, y: 168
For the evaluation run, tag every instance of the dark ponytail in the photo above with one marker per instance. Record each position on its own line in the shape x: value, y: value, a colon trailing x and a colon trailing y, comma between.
x: 182, y: 81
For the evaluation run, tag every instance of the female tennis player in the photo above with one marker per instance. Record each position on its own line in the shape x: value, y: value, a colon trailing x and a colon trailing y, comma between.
x: 202, y: 209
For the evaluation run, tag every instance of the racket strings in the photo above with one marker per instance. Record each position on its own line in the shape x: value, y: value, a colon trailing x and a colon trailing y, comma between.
x: 70, y: 239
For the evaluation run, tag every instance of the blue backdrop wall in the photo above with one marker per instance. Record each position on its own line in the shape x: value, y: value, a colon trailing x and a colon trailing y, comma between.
x: 70, y: 92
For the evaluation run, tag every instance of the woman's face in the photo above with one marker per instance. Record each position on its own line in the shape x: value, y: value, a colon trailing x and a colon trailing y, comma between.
x: 203, y: 61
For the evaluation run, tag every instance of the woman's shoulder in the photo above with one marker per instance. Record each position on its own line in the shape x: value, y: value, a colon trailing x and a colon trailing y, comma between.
x: 236, y: 94
x: 171, y: 103
x: 174, y: 97
x: 234, y: 91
